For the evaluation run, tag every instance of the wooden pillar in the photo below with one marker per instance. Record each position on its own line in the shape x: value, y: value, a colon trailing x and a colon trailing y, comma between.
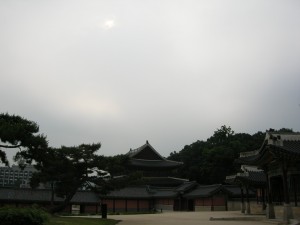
x: 242, y: 200
x: 263, y: 198
x: 149, y: 205
x: 248, y: 210
x: 138, y: 205
x: 125, y: 205
x: 226, y: 202
x: 295, y: 190
x: 287, y: 210
x: 270, y: 213
x: 179, y: 203
x: 285, y: 184
x: 114, y: 205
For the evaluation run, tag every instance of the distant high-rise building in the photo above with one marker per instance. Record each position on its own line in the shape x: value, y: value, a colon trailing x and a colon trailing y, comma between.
x: 14, y: 176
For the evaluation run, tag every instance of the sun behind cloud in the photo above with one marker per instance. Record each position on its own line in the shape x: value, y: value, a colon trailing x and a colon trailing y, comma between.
x: 109, y: 24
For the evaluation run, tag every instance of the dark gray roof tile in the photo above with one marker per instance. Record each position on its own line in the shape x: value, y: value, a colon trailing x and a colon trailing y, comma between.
x: 44, y: 195
x: 130, y: 192
x: 204, y: 191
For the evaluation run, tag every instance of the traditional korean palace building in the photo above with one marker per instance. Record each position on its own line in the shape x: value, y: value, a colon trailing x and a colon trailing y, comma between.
x: 279, y: 159
x: 155, y: 168
x: 82, y: 202
x: 251, y: 179
x: 160, y: 191
x: 163, y: 192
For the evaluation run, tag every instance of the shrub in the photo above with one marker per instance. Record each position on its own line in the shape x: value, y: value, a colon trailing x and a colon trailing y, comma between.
x: 22, y: 216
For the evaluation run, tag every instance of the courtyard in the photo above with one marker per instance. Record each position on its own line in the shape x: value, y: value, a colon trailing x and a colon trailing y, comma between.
x: 193, y: 218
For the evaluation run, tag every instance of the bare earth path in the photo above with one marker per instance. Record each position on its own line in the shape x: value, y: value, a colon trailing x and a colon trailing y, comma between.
x: 190, y: 218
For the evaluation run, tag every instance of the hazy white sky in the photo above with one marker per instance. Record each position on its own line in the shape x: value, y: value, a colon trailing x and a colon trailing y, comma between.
x: 171, y: 72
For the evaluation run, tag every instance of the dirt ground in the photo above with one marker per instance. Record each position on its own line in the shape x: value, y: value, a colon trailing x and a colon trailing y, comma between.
x: 192, y: 218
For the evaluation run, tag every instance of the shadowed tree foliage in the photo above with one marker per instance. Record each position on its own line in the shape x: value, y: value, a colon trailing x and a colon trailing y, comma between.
x: 17, y: 132
x: 117, y: 165
x: 68, y: 169
x: 210, y: 161
x: 120, y: 176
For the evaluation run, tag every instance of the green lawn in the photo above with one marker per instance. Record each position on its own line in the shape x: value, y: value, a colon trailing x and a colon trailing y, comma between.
x: 80, y: 221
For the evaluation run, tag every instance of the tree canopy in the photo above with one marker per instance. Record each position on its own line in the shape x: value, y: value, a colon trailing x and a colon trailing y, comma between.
x: 17, y: 132
x: 210, y: 161
x: 68, y: 169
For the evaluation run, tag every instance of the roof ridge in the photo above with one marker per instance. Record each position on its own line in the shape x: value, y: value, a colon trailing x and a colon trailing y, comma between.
x: 133, y: 152
x: 210, y: 185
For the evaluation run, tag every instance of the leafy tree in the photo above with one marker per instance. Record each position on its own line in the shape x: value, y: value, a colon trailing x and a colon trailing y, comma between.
x: 17, y: 132
x: 285, y: 130
x: 221, y: 136
x: 210, y: 161
x: 120, y: 175
x: 117, y: 165
x: 68, y: 169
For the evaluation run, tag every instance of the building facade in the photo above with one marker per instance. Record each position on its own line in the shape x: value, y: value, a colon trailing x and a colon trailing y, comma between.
x: 14, y: 176
x: 161, y: 192
x: 82, y: 201
x: 279, y: 158
x: 251, y: 179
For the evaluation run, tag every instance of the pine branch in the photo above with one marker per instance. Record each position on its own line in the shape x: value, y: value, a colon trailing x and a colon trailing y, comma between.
x: 10, y: 146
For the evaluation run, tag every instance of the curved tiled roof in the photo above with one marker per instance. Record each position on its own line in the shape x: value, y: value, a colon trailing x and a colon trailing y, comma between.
x: 130, y: 192
x: 234, y: 191
x: 142, y: 192
x: 163, y: 181
x: 204, y: 191
x: 134, y: 152
x: 187, y: 186
x: 154, y: 163
x: 44, y: 195
x: 189, y: 190
x: 147, y: 157
x: 251, y: 177
x: 287, y: 145
x: 292, y: 147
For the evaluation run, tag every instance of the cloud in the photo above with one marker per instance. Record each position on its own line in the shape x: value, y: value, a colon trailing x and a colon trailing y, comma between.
x: 109, y: 24
x: 171, y: 72
x: 88, y: 105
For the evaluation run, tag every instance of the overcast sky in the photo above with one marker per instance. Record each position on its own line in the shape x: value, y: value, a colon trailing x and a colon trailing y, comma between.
x: 171, y: 72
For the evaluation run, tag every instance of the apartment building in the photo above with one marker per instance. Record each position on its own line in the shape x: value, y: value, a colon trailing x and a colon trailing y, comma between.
x: 14, y: 176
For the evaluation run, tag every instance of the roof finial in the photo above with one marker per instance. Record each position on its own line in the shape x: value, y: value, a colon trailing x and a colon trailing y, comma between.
x: 147, y: 142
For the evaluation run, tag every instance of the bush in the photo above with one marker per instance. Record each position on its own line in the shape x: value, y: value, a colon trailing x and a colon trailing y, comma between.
x: 22, y: 216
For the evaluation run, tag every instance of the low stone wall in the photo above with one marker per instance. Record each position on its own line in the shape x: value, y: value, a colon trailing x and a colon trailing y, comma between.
x: 202, y: 208
x: 234, y: 205
x: 256, y: 208
x: 296, y: 212
x: 164, y: 207
x: 219, y: 208
x: 279, y: 211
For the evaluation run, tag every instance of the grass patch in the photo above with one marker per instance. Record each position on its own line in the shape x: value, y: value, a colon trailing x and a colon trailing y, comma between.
x: 80, y: 221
